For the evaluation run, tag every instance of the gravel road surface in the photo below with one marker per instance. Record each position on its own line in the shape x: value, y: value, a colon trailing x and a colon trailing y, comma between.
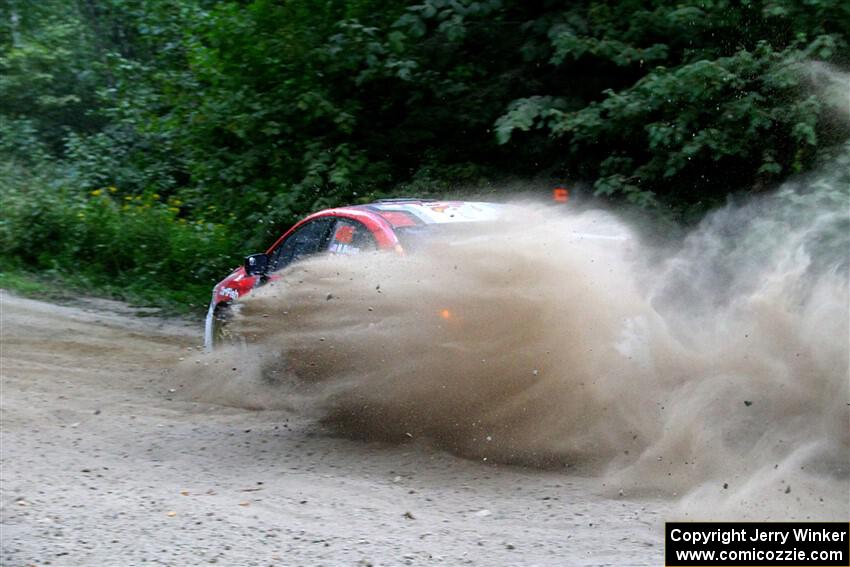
x: 106, y: 460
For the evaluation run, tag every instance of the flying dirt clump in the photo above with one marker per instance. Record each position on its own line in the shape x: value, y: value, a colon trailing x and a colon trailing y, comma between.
x: 717, y: 371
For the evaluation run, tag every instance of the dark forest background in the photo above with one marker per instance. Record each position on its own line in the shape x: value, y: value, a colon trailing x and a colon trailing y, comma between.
x: 146, y: 145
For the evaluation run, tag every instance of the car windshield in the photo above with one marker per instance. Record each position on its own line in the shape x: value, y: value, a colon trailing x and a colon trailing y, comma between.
x: 415, y: 238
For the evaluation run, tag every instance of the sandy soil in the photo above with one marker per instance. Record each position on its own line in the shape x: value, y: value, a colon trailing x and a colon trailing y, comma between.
x: 107, y: 461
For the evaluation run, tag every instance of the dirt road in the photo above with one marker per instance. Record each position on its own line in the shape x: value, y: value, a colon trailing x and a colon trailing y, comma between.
x: 106, y: 460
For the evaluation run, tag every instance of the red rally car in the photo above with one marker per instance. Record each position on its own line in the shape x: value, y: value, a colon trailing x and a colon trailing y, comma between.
x: 389, y: 224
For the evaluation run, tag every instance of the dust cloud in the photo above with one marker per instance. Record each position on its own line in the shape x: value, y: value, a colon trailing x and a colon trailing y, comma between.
x: 713, y: 371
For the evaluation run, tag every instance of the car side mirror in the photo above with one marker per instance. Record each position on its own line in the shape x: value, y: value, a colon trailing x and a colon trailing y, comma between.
x: 256, y: 264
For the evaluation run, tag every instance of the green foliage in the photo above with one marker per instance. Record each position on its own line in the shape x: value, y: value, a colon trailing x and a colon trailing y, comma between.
x: 48, y: 69
x: 21, y: 282
x: 140, y: 246
x: 723, y: 104
x: 251, y: 113
x: 20, y: 142
x: 266, y: 109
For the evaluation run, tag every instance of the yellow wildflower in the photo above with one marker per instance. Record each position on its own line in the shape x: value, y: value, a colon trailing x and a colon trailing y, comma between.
x: 96, y: 193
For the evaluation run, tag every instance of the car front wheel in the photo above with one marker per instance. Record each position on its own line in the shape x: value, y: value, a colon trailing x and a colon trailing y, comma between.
x: 216, y: 332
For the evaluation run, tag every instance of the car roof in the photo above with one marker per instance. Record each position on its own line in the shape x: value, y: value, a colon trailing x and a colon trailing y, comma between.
x: 430, y: 211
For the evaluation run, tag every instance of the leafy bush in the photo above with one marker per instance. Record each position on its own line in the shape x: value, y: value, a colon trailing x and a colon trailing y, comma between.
x: 135, y: 247
x: 251, y: 113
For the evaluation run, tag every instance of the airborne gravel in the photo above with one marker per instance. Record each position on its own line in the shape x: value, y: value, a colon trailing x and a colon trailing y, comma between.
x: 107, y: 461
